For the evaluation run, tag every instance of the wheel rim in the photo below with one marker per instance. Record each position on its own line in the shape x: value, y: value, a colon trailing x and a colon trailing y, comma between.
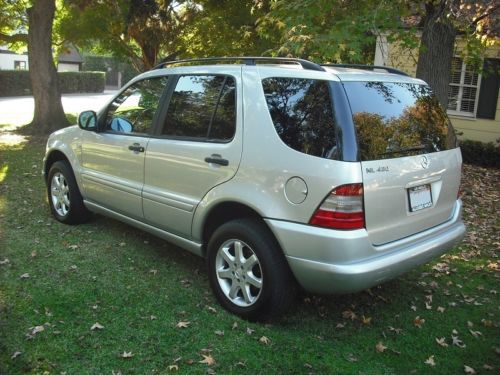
x: 239, y: 272
x: 59, y: 193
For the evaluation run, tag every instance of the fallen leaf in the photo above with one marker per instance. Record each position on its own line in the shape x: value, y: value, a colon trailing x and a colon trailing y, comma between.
x: 340, y: 325
x: 349, y: 314
x: 250, y: 331
x: 264, y: 340
x: 458, y: 342
x: 366, y: 320
x: 428, y: 306
x: 37, y: 329
x: 208, y: 360
x: 96, y: 326
x: 127, y: 355
x: 25, y: 276
x: 418, y: 322
x: 182, y: 324
x: 212, y: 309
x: 430, y: 361
x: 487, y: 367
x: 15, y: 355
x: 442, y: 342
x: 469, y: 370
x: 397, y: 331
x: 73, y: 268
x: 5, y: 261
x: 121, y: 244
x: 219, y: 333
x: 73, y: 247
x: 153, y: 271
x: 352, y: 358
x: 235, y: 325
x: 152, y: 317
x: 440, y: 309
x: 475, y: 333
x: 380, y: 347
x: 173, y: 368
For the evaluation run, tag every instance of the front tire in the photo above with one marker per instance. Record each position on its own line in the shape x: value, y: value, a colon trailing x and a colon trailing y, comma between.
x: 248, y: 272
x: 65, y: 200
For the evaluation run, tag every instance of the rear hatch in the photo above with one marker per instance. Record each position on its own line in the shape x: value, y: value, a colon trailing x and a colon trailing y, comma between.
x: 410, y: 162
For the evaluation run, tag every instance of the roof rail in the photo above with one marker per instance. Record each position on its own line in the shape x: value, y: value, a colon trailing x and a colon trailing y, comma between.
x: 306, y: 64
x: 367, y: 67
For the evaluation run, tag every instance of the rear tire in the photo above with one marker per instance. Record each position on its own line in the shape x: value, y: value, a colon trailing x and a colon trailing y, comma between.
x: 65, y: 200
x: 248, y: 272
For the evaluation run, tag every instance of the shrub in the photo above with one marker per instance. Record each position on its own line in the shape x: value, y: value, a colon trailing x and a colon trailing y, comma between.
x: 480, y: 153
x: 17, y: 82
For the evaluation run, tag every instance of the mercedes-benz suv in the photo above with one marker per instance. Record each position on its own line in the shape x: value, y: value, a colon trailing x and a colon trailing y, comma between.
x: 277, y: 171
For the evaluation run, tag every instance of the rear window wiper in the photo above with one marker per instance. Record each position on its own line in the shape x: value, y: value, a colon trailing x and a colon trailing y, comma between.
x: 405, y: 150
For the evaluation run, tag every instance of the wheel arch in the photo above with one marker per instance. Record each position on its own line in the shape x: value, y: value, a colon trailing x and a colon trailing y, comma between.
x: 52, y: 157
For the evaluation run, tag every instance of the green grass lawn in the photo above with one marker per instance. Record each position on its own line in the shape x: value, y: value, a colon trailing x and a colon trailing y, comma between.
x: 57, y: 282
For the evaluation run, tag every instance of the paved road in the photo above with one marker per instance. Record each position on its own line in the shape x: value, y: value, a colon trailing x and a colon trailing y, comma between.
x: 19, y: 110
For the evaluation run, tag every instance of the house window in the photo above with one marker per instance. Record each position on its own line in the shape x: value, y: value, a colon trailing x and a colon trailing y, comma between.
x: 19, y: 65
x: 464, y: 89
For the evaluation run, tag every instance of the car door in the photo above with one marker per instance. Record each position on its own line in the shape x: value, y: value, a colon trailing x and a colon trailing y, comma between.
x: 113, y: 158
x: 197, y: 147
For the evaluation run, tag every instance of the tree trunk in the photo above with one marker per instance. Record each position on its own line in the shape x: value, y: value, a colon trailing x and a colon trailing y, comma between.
x: 436, y: 50
x: 49, y: 113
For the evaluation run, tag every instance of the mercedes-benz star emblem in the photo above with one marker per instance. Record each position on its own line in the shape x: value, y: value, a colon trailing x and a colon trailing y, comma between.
x: 424, y: 162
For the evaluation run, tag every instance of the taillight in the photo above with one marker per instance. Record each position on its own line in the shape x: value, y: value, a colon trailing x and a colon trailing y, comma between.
x: 341, y: 209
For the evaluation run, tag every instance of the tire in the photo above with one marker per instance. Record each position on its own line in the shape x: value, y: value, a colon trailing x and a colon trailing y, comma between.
x: 257, y: 285
x: 65, y: 200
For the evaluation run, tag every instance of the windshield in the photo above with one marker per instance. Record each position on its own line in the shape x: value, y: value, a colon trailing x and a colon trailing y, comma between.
x: 398, y: 119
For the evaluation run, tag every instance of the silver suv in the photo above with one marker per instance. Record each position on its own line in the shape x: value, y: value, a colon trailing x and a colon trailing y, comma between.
x: 277, y: 171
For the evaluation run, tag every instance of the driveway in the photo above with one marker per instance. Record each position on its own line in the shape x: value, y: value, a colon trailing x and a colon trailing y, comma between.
x: 19, y: 110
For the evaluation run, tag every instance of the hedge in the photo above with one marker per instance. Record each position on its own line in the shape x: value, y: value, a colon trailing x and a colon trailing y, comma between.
x: 17, y: 82
x: 482, y: 154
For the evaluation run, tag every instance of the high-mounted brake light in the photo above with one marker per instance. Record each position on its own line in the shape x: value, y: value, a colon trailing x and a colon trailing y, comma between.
x: 341, y: 209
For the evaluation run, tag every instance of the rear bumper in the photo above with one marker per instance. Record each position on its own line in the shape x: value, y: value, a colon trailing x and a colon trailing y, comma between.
x: 329, y: 261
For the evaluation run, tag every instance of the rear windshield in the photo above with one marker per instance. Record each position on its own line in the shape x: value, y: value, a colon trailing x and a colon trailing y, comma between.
x: 398, y: 119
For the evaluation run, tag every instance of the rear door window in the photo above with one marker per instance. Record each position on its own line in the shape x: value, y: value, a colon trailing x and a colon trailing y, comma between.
x: 202, y: 107
x: 398, y: 119
x: 302, y: 114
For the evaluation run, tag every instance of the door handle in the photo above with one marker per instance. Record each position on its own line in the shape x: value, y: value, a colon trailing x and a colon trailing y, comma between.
x: 217, y: 159
x: 136, y: 147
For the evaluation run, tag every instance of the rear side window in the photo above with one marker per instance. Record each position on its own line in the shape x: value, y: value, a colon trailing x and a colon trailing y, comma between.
x: 302, y: 114
x: 202, y: 107
x: 398, y: 119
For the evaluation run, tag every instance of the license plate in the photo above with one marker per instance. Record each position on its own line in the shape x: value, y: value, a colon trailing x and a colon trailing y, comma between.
x: 420, y: 197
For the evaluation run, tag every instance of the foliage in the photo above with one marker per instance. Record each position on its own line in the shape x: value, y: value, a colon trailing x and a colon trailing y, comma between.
x: 482, y: 154
x: 17, y: 82
x: 104, y: 297
x: 345, y: 31
x: 226, y: 28
x: 13, y: 23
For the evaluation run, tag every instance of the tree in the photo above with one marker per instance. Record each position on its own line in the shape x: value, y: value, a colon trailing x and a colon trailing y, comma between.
x: 49, y: 113
x: 140, y: 31
x: 346, y: 30
x: 17, y: 17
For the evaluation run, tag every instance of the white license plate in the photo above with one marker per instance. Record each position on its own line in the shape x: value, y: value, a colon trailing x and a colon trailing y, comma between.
x: 420, y: 197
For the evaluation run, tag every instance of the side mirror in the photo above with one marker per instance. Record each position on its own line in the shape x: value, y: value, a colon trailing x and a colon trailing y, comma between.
x: 87, y: 120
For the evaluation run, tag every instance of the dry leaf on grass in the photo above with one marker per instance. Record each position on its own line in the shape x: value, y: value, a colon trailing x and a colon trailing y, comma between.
x: 96, y: 326
x: 126, y: 355
x: 430, y: 361
x: 418, y: 322
x: 469, y: 370
x: 208, y: 360
x: 183, y: 324
x: 25, y: 276
x: 37, y: 329
x: 442, y: 342
x: 15, y: 355
x: 5, y: 261
x: 380, y: 347
x: 265, y: 340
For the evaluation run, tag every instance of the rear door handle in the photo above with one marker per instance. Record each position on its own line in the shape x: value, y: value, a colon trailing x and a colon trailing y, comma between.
x: 217, y: 159
x: 136, y: 147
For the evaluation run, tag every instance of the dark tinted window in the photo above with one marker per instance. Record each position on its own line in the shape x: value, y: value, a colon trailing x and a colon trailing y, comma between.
x: 202, y: 107
x: 301, y: 110
x: 398, y: 119
x: 134, y: 109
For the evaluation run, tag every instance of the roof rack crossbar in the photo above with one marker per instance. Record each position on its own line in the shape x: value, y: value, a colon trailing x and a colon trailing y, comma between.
x: 306, y: 64
x: 367, y: 67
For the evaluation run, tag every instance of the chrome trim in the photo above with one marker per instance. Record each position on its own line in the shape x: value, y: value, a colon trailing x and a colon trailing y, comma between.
x: 184, y: 243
